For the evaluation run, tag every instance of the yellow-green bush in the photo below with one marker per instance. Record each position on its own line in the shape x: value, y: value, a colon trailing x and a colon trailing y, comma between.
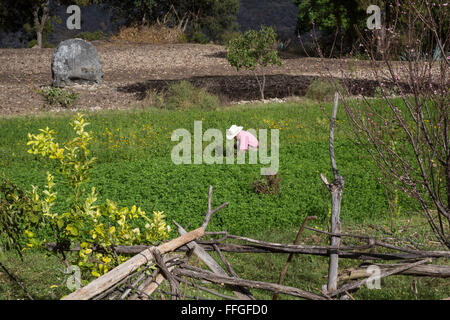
x: 90, y: 224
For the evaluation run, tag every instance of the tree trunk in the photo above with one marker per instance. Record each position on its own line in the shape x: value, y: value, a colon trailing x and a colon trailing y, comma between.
x: 438, y: 271
x: 39, y: 38
x: 261, y: 83
x: 39, y: 24
x: 448, y: 189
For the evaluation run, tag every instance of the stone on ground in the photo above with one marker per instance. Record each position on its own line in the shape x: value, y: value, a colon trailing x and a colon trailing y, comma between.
x: 76, y: 61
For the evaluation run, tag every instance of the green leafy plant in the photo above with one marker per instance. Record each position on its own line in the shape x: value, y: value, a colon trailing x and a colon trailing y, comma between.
x: 55, y: 97
x: 199, y: 37
x: 183, y: 95
x: 17, y: 214
x: 154, y: 98
x: 322, y: 90
x: 134, y: 147
x: 229, y: 35
x: 96, y: 227
x: 254, y: 50
x: 183, y: 38
x: 331, y: 18
x: 45, y: 44
x: 91, y: 36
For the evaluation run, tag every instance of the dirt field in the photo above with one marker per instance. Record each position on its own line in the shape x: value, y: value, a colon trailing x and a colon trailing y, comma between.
x: 129, y: 70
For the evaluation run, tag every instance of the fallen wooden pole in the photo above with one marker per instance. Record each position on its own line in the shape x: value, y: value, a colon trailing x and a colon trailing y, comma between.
x: 431, y: 270
x: 121, y: 271
x: 374, y: 242
x: 212, y: 264
x: 386, y: 273
x: 344, y: 251
x: 197, y: 273
x: 270, y: 247
x: 147, y: 287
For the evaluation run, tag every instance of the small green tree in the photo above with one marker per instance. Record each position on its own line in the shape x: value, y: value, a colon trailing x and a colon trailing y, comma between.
x: 336, y: 19
x: 254, y: 50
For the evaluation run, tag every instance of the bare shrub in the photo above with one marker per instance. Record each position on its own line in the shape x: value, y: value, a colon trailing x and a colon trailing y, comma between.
x: 153, y: 34
x: 322, y: 90
x: 269, y: 184
x: 409, y: 137
x: 181, y: 95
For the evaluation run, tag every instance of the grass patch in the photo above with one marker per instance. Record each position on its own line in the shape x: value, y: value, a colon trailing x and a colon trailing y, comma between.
x: 57, y: 97
x: 41, y: 274
x: 134, y: 166
x: 323, y: 90
x: 91, y: 36
x: 44, y: 278
x: 182, y: 95
x: 153, y: 34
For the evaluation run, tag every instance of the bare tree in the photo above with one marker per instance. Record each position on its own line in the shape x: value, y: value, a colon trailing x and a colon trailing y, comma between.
x: 408, y: 136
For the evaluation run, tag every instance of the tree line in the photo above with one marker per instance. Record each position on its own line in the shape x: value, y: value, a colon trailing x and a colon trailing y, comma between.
x: 334, y: 20
x: 211, y: 17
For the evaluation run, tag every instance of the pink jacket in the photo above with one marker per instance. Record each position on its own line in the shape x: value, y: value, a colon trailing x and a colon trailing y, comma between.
x: 246, y: 140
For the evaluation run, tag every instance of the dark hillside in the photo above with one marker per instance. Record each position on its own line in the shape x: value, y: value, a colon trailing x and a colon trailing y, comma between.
x: 252, y: 14
x: 279, y: 13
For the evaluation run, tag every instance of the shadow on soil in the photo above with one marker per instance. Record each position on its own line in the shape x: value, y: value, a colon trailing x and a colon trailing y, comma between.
x: 235, y: 88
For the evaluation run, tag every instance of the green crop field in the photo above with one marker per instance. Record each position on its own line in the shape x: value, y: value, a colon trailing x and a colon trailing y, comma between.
x: 134, y: 166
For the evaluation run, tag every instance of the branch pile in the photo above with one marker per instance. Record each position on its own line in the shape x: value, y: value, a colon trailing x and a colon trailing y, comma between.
x: 142, y: 276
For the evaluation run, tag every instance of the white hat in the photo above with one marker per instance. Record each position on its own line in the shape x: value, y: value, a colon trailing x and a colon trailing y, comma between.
x: 233, y: 131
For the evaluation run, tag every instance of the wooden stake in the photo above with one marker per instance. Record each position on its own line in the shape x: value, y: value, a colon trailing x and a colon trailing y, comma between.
x: 335, y: 190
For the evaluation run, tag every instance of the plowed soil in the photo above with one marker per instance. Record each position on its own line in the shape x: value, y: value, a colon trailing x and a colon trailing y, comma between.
x: 130, y: 69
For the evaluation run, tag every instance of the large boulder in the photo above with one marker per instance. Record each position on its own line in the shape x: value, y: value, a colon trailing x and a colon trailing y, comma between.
x: 76, y: 61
